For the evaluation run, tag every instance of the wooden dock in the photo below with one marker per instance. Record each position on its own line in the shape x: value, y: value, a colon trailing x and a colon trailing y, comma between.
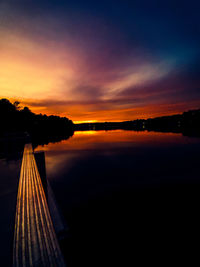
x: 35, y: 241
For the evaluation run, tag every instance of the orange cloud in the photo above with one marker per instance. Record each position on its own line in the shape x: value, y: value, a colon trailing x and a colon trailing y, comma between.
x: 56, y: 78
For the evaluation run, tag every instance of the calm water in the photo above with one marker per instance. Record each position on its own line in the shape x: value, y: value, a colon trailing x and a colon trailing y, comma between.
x: 128, y: 198
x: 9, y: 175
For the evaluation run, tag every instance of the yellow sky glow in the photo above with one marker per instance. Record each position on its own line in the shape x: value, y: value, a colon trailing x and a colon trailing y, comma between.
x: 45, y: 77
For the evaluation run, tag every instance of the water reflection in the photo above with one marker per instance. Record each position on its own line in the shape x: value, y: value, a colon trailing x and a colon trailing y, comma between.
x: 126, y: 194
x: 98, y: 139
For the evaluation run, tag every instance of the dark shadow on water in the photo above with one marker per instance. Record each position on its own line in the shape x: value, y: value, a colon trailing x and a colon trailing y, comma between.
x: 12, y: 147
x: 156, y: 226
x: 136, y: 207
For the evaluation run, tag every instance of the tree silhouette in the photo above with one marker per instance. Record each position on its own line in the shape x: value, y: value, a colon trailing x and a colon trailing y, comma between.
x: 14, y: 119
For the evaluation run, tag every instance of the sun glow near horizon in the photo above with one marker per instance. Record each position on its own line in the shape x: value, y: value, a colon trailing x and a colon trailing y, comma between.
x: 89, y: 121
x: 59, y: 63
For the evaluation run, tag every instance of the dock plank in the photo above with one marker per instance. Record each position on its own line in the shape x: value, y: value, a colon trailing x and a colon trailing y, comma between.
x: 35, y: 241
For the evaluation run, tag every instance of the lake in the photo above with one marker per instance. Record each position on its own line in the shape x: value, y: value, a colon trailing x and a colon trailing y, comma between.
x: 128, y: 198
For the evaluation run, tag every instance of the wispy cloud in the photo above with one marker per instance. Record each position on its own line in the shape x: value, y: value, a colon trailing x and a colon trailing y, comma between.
x: 106, y: 60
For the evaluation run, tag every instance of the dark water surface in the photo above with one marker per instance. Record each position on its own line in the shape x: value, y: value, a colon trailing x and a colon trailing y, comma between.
x: 9, y: 176
x: 129, y: 198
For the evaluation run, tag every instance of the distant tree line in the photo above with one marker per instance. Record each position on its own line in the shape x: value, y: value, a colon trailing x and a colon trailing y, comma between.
x: 187, y: 123
x: 15, y: 121
x: 44, y: 129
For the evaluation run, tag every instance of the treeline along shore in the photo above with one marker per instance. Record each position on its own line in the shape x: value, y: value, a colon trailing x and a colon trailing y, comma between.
x: 187, y: 123
x: 19, y: 123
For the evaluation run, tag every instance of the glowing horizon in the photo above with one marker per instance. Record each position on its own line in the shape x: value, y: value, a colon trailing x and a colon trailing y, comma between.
x: 65, y: 61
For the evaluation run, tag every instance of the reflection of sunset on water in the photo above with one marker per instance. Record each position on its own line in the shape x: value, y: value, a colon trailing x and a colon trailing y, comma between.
x: 64, y: 153
x: 82, y: 140
x: 85, y: 132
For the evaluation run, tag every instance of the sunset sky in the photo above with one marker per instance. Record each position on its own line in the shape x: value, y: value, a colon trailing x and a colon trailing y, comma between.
x: 101, y: 60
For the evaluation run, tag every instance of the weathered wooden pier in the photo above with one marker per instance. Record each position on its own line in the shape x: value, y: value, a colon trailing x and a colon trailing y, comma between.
x: 35, y: 241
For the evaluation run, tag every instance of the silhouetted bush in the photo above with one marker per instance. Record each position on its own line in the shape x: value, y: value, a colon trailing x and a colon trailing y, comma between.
x: 41, y: 128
